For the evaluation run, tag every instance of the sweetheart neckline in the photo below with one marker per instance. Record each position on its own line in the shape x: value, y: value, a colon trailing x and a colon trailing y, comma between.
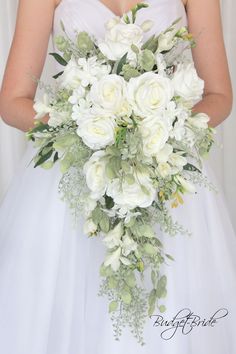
x: 113, y: 13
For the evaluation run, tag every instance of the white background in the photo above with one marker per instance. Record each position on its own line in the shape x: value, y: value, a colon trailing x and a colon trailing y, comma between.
x: 12, y: 142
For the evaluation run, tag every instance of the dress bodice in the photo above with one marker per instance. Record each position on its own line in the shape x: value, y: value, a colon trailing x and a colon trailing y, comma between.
x: 91, y: 15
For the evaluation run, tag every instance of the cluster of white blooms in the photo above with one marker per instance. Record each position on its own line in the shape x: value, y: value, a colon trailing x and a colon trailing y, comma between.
x: 159, y: 103
x: 121, y: 125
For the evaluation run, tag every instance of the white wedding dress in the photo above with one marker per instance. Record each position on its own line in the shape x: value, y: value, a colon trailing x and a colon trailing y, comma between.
x: 49, y: 270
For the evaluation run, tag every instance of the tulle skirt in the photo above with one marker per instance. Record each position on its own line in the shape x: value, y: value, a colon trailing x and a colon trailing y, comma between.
x: 49, y: 277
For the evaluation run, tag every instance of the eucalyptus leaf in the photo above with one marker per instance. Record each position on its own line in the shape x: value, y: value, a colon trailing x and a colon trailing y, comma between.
x: 130, y: 280
x: 154, y: 278
x: 149, y: 249
x: 112, y: 282
x: 162, y: 308
x: 104, y: 223
x: 126, y: 297
x: 161, y: 286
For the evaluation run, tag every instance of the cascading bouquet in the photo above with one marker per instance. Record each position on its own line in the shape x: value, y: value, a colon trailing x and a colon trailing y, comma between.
x: 129, y: 146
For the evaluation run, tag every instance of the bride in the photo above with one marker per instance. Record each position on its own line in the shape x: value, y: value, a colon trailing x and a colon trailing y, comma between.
x: 49, y: 270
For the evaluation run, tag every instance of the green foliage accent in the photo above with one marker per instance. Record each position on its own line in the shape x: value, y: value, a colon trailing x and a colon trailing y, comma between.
x: 59, y: 58
x: 146, y: 60
x: 151, y: 44
x: 190, y: 167
x: 57, y: 75
x: 129, y: 72
x: 84, y: 43
x: 121, y: 62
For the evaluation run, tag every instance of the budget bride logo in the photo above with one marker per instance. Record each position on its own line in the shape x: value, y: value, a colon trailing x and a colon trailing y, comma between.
x: 185, y: 321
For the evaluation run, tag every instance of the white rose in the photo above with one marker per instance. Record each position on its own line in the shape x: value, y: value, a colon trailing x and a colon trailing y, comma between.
x: 90, y: 228
x: 149, y: 93
x: 155, y: 134
x: 109, y: 93
x: 97, y: 130
x: 140, y: 193
x: 199, y: 120
x: 187, y: 84
x: 94, y: 170
x: 118, y: 39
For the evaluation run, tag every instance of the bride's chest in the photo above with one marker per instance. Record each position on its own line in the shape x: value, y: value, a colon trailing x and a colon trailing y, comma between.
x: 90, y: 15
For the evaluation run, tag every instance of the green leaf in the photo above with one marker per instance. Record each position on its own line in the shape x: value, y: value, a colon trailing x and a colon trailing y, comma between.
x: 40, y: 127
x: 109, y: 202
x: 161, y: 286
x: 121, y: 63
x: 154, y: 278
x: 57, y: 75
x: 105, y: 271
x: 170, y: 257
x: 113, y: 306
x: 131, y: 223
x: 66, y: 162
x: 55, y: 157
x: 110, y: 172
x: 97, y: 215
x: 146, y: 230
x: 140, y: 265
x: 134, y: 48
x: 151, y: 309
x: 192, y: 168
x: 59, y: 58
x: 152, y: 297
x: 162, y: 308
x: 131, y: 280
x: 126, y: 297
x: 65, y: 141
x: 104, y: 223
x: 151, y: 44
x: 149, y: 249
x: 62, y: 25
x: 152, y: 302
x: 41, y: 159
x: 112, y: 282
